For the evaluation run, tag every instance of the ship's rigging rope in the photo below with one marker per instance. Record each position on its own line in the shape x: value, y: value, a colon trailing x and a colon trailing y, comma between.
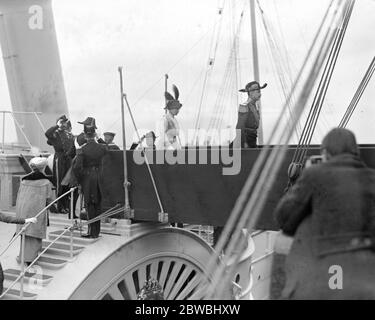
x: 358, y: 94
x: 325, y: 81
x: 174, y: 65
x: 226, y: 87
x: 216, y: 35
x: 218, y: 107
x: 280, y: 61
x: 316, y: 107
x: 268, y: 163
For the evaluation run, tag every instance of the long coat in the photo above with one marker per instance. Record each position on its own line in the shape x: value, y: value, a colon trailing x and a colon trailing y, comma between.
x: 330, y: 211
x: 63, y: 143
x: 87, y: 168
x: 31, y: 198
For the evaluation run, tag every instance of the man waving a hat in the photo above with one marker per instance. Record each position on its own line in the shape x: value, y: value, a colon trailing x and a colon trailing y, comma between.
x: 249, y: 117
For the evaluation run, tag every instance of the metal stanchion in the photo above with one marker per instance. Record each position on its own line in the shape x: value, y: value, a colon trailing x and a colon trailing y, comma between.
x: 126, y: 182
x: 22, y: 262
x: 72, y: 220
x: 80, y: 196
x: 3, y: 142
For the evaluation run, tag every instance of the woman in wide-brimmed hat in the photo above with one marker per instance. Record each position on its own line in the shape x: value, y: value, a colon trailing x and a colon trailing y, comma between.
x: 169, y: 128
x: 34, y: 194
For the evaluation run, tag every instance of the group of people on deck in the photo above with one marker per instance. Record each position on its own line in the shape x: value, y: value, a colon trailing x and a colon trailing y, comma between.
x: 330, y: 210
x: 77, y: 161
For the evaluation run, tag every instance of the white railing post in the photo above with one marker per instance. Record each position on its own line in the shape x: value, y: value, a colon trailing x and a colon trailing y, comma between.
x: 80, y: 197
x: 3, y: 142
x: 23, y: 235
x: 72, y: 220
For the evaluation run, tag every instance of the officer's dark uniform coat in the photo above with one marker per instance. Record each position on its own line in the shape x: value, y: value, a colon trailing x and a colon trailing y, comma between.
x: 248, y: 123
x: 62, y: 142
x: 87, y: 168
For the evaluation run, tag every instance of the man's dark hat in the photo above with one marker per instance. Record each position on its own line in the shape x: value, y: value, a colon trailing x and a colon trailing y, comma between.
x: 252, y: 83
x: 109, y: 134
x: 63, y: 118
x: 89, y: 122
x: 172, y: 102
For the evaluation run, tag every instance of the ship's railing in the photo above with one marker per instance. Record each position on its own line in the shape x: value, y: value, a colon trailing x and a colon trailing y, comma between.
x: 22, y: 234
x: 12, y: 113
x: 74, y: 226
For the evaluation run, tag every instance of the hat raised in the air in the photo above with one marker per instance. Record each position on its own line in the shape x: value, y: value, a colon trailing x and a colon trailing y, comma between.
x: 256, y: 86
x: 63, y: 118
x: 89, y: 122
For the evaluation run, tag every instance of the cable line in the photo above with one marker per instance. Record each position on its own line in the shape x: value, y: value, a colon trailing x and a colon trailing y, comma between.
x: 316, y: 107
x: 210, y: 64
x: 358, y: 94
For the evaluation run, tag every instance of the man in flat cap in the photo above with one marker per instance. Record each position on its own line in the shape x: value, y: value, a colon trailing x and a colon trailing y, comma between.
x: 62, y: 141
x: 249, y: 117
x: 108, y: 139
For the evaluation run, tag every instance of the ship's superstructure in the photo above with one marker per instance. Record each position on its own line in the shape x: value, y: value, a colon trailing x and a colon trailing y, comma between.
x: 33, y: 69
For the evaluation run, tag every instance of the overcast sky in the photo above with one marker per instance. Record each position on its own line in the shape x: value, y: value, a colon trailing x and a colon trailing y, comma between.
x: 151, y: 38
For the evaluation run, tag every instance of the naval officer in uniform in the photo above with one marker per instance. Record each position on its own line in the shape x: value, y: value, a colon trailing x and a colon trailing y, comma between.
x: 87, y: 168
x: 62, y: 141
x: 249, y: 117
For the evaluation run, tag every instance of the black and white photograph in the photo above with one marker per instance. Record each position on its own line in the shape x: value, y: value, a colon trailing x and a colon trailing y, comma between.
x: 214, y: 151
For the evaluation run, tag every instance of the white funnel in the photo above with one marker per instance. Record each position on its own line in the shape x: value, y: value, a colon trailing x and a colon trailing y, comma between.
x: 32, y: 64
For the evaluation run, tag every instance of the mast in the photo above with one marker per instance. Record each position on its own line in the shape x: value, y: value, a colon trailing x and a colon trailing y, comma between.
x: 256, y: 64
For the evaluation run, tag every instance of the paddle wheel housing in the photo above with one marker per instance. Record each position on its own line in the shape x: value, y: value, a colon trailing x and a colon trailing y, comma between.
x: 175, y: 258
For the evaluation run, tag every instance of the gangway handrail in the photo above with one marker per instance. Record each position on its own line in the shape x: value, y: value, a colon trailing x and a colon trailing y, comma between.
x: 39, y: 213
x: 22, y: 273
x: 68, y: 228
x: 22, y: 232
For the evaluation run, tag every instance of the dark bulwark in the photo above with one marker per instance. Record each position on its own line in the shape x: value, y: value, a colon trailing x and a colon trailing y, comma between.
x: 195, y: 193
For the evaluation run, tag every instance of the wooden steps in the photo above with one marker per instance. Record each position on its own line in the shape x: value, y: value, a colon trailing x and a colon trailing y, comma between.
x: 14, y: 294
x: 61, y: 220
x: 61, y: 248
x: 12, y: 274
x: 55, y: 258
x: 77, y: 239
x: 51, y: 262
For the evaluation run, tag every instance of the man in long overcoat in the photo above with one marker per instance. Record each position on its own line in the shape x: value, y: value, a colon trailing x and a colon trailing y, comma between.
x: 330, y: 211
x: 87, y: 168
x: 62, y: 141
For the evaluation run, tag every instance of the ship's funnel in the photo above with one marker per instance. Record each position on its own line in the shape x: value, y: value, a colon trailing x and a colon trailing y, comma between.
x: 32, y: 64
